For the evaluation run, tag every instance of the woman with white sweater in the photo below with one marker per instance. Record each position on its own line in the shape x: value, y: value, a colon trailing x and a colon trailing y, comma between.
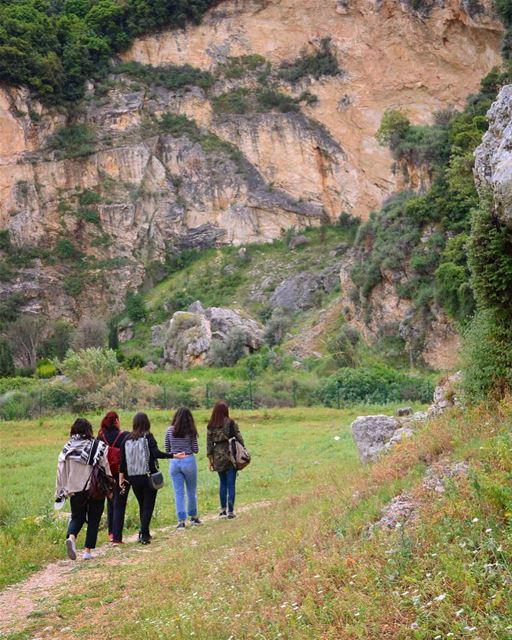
x: 74, y: 473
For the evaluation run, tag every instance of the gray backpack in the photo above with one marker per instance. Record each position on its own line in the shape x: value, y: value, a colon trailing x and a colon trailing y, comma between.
x: 137, y: 463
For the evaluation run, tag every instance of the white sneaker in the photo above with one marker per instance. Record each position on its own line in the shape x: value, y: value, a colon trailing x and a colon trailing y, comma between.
x: 71, y: 548
x: 87, y: 555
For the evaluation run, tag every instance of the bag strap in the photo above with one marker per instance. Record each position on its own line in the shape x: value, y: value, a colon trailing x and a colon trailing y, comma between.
x: 92, y: 453
x: 117, y: 438
x: 148, y: 456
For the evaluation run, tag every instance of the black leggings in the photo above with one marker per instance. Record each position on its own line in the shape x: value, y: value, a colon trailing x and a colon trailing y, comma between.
x: 83, y: 509
x: 146, y: 497
x: 116, y: 509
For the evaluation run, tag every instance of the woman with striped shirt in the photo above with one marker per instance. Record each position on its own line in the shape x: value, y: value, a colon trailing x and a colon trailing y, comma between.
x: 181, y: 437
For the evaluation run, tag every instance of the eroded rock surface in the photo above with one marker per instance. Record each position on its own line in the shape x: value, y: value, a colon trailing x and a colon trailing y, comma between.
x: 187, y: 337
x: 493, y: 158
x: 237, y: 178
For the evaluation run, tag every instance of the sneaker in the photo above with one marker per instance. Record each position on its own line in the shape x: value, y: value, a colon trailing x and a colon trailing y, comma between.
x: 195, y: 520
x: 71, y: 548
x: 231, y: 515
x: 181, y: 525
x: 145, y: 539
x: 87, y: 555
x: 223, y: 514
x: 116, y: 543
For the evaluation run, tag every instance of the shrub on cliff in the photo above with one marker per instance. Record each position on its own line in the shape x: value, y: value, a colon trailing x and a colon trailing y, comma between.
x: 488, y: 342
x: 321, y: 63
x: 170, y: 76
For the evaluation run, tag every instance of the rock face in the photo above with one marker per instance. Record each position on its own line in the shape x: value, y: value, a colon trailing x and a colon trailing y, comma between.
x: 136, y: 190
x: 301, y: 290
x: 393, y: 315
x: 493, y: 158
x: 445, y: 395
x: 187, y: 337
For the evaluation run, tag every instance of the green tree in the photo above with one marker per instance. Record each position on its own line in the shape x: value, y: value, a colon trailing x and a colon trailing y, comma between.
x: 6, y: 360
x: 135, y: 307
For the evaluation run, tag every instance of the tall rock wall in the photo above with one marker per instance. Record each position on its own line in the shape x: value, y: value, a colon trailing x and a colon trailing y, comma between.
x: 133, y: 189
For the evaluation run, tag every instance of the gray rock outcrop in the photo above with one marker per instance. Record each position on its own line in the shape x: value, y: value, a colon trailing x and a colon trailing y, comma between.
x: 493, y: 158
x: 301, y: 290
x: 445, y: 395
x: 372, y: 433
x: 188, y: 336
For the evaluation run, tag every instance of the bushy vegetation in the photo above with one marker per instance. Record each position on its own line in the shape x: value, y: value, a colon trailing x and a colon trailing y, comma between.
x: 73, y: 140
x: 228, y: 352
x: 315, y: 65
x: 54, y: 47
x: 374, y: 385
x: 260, y: 100
x: 237, y: 67
x: 488, y: 345
x: 170, y: 77
x: 424, y: 237
x: 90, y: 368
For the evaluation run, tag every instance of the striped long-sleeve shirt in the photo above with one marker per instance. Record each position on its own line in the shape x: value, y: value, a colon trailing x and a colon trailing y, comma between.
x: 187, y: 444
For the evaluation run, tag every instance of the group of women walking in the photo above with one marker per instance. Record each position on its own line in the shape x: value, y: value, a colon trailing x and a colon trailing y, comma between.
x: 116, y: 461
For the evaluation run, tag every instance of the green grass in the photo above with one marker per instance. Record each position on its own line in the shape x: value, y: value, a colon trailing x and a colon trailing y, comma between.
x: 290, y: 448
x: 304, y: 567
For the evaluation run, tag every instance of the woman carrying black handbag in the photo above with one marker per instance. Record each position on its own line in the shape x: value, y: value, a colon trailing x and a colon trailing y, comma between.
x: 139, y: 468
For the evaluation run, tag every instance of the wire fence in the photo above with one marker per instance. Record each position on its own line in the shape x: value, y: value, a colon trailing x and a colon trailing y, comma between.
x: 48, y: 399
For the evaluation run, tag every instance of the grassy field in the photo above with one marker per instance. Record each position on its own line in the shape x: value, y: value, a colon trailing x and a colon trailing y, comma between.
x: 292, y: 449
x: 302, y: 565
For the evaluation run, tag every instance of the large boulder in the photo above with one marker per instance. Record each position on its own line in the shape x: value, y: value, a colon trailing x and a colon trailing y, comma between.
x: 297, y: 292
x: 222, y: 320
x: 187, y: 341
x: 372, y: 433
x: 187, y: 337
x: 301, y: 291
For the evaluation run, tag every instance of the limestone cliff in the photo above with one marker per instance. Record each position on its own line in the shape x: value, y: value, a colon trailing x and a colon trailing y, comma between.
x: 127, y: 186
x: 493, y: 158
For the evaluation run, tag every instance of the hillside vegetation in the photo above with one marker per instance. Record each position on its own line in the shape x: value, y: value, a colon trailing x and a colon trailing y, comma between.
x: 53, y: 47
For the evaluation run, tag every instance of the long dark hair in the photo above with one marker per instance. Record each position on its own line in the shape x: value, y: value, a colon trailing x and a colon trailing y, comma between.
x: 82, y: 427
x: 141, y: 425
x: 110, y: 421
x: 183, y: 423
x: 219, y: 414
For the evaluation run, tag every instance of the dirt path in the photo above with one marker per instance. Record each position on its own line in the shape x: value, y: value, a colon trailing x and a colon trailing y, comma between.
x: 20, y: 602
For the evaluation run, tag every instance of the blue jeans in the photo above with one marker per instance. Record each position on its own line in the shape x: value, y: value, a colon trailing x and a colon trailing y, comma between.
x: 184, y: 475
x: 227, y: 489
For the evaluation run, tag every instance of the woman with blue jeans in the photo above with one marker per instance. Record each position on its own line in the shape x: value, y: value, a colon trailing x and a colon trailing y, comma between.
x: 220, y: 429
x: 181, y: 438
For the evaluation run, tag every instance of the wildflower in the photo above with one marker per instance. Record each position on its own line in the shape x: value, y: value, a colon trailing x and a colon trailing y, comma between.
x: 475, y: 520
x: 336, y: 437
x: 440, y: 597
